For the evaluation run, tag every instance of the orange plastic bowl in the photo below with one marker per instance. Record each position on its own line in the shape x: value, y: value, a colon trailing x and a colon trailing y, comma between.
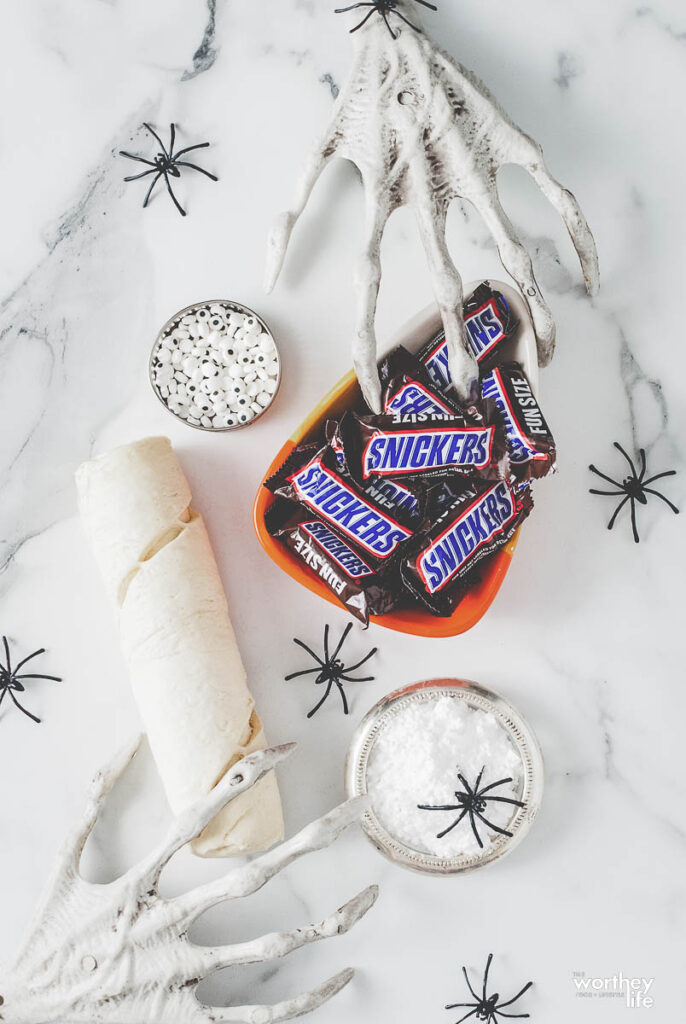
x: 344, y: 395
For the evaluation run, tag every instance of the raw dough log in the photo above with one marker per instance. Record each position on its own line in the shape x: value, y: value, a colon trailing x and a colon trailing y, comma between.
x: 186, y: 670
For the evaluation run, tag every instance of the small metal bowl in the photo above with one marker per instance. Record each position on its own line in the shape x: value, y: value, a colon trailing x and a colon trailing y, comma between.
x: 477, y: 697
x: 174, y: 322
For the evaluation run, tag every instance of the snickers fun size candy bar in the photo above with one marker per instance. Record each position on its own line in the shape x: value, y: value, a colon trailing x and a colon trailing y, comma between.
x: 392, y: 494
x: 489, y: 322
x: 427, y: 448
x: 372, y: 523
x: 358, y: 585
x: 530, y: 444
x: 407, y: 388
x: 480, y: 521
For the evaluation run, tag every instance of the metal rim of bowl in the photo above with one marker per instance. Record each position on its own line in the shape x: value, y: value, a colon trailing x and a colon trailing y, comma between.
x: 476, y: 696
x: 240, y: 308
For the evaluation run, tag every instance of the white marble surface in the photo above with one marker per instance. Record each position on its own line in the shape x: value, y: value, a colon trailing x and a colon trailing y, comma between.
x: 586, y: 635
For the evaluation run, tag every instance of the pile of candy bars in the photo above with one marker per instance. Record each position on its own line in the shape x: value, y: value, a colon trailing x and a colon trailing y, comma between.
x: 402, y: 508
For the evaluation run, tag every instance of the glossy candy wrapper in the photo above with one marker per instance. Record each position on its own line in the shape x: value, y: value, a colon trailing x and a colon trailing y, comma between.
x: 317, y: 480
x: 360, y: 587
x: 437, y: 565
x: 489, y: 323
x: 408, y: 390
x: 530, y: 444
x: 423, y: 448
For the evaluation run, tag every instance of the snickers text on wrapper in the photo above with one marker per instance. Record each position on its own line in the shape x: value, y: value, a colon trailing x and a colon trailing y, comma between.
x: 325, y: 492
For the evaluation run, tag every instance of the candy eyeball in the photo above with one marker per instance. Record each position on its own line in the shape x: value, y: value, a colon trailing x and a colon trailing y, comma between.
x: 215, y: 367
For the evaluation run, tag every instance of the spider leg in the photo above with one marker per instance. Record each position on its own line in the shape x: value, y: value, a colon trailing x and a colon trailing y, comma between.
x: 309, y: 651
x: 649, y: 490
x: 343, y: 697
x: 35, y: 675
x: 149, y: 192
x: 475, y: 830
x: 616, y: 512
x: 303, y: 672
x: 29, y: 658
x: 352, y: 7
x: 365, y: 19
x: 425, y: 3
x: 488, y: 967
x: 153, y: 132
x: 493, y: 785
x: 7, y: 655
x: 341, y: 642
x: 3, y: 695
x: 351, y: 668
x: 388, y: 24
x: 403, y: 18
x: 317, y: 707
x: 652, y: 479
x: 469, y: 984
x: 514, y: 1000
x: 505, y: 800
x: 143, y: 174
x: 496, y: 828
x: 465, y: 784
x: 140, y: 159
x: 633, y: 520
x: 189, y: 149
x: 604, y: 476
x: 185, y: 163
x: 170, y: 190
x: 27, y: 713
x: 438, y: 807
x: 355, y: 679
x: 451, y: 827
x: 172, y: 140
x: 478, y: 780
x: 627, y: 457
x: 592, y: 490
x: 467, y: 1015
x: 511, y: 1015
x: 642, y: 453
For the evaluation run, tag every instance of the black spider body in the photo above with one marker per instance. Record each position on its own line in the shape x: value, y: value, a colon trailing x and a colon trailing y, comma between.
x: 166, y: 165
x: 634, y: 488
x: 383, y: 8
x: 11, y: 681
x: 330, y: 670
x: 487, y: 1008
x: 472, y: 802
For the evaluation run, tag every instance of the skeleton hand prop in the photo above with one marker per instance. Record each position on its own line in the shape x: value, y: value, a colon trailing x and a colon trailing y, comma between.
x: 119, y: 953
x: 422, y: 130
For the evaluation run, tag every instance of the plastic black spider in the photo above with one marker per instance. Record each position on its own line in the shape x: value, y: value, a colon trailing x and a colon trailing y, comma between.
x: 11, y: 682
x: 332, y: 670
x: 166, y: 165
x: 487, y: 1007
x: 383, y: 8
x: 634, y: 488
x: 472, y: 802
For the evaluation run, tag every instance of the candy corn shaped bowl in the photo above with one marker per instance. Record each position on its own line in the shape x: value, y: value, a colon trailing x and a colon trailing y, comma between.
x: 346, y: 395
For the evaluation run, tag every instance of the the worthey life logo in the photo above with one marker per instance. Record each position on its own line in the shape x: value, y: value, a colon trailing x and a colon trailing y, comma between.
x: 635, y: 991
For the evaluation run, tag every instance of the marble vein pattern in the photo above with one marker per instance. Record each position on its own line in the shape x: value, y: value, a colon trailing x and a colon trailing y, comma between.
x: 585, y: 637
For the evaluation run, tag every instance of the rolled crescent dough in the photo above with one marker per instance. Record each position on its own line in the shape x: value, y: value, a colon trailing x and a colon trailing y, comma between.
x: 186, y: 670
